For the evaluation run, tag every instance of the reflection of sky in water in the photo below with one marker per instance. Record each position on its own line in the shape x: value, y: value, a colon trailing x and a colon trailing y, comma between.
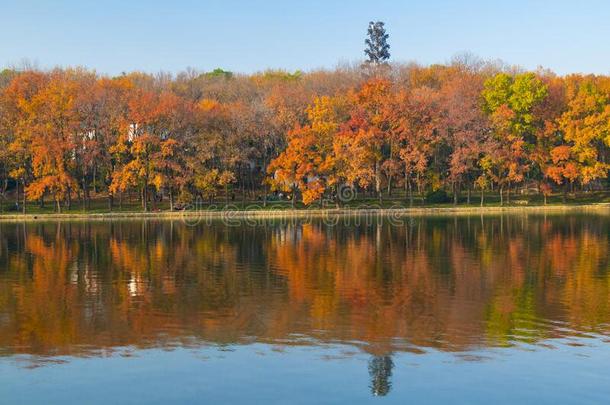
x: 261, y: 373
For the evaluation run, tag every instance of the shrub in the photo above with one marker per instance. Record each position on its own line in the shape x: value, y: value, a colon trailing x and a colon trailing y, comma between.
x: 438, y: 197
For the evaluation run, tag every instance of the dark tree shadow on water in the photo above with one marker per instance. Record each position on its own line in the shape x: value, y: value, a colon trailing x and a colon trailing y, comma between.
x: 380, y: 371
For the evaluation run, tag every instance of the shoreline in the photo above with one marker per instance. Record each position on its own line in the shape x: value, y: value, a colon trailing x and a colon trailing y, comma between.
x: 304, y: 213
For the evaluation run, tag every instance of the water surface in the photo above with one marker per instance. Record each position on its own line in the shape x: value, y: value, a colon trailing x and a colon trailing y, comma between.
x: 470, y: 309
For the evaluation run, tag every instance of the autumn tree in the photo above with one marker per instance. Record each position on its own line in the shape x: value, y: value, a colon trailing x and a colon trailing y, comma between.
x: 365, y: 137
x: 419, y: 136
x: 216, y: 148
x: 464, y: 128
x: 550, y: 160
x: 509, y: 102
x: 141, y: 171
x: 49, y: 125
x: 586, y: 129
x: 17, y: 99
x: 103, y: 109
x: 136, y: 147
x: 309, y: 162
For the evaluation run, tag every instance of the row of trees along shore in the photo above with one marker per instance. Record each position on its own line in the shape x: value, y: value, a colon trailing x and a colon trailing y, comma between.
x: 397, y: 130
x: 69, y: 134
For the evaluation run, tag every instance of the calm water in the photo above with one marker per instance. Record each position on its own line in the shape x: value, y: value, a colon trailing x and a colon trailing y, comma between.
x: 512, y: 309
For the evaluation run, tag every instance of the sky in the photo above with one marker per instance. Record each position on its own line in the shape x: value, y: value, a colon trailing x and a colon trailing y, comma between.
x: 114, y: 36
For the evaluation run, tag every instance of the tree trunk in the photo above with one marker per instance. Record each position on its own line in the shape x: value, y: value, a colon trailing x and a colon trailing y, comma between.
x: 455, y: 194
x: 251, y: 185
x: 87, y: 194
x: 410, y: 194
x: 420, y: 190
x: 482, y: 197
x: 337, y: 199
x: 69, y: 199
x: 264, y: 183
x: 171, y: 199
x: 145, y: 198
x: 153, y: 199
x: 24, y: 198
x: 501, y: 196
x: 468, y: 195
x: 378, y: 181
x: 95, y: 179
x: 58, y: 202
x: 84, y: 186
x: 409, y: 189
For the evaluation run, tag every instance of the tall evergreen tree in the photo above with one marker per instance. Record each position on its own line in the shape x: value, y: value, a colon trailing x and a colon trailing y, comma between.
x: 377, y: 47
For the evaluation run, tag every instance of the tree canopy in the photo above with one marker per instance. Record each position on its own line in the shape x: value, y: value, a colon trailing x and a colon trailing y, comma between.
x: 73, y: 134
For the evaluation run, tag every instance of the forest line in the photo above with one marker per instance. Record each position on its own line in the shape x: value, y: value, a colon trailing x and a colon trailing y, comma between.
x: 72, y: 135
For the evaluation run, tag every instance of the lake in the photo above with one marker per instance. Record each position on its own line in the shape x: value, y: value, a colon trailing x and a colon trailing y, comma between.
x: 499, y: 309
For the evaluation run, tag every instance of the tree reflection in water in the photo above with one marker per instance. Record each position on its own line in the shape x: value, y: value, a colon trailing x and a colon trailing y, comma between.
x: 380, y: 370
x: 446, y: 283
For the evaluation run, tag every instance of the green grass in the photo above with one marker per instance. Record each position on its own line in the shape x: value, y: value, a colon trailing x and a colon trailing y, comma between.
x: 397, y: 200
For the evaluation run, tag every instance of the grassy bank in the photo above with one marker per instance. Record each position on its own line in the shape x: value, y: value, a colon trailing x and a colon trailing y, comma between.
x: 277, y: 210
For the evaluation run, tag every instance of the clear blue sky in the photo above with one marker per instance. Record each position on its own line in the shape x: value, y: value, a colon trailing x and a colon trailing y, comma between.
x: 244, y: 36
